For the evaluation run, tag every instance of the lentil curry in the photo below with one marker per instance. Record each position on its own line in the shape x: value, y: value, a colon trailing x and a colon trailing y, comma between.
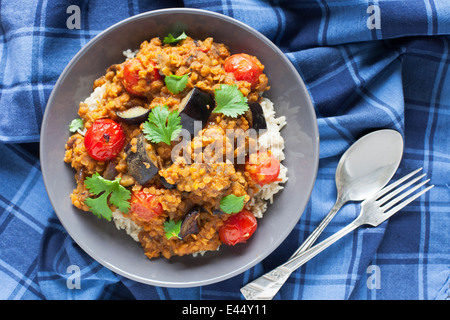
x: 123, y: 146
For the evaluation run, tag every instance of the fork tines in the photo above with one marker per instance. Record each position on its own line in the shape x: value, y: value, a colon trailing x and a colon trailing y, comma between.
x: 384, y: 195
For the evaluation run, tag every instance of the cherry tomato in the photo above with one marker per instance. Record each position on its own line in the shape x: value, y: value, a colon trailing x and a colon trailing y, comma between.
x: 131, y: 76
x: 238, y: 228
x: 145, y: 205
x: 104, y: 139
x: 244, y: 67
x: 263, y: 168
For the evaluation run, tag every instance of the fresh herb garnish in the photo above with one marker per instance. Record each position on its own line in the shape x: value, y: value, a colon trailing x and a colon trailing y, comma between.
x: 171, y: 39
x: 118, y: 196
x: 172, y: 228
x: 176, y: 84
x: 162, y: 125
x: 232, y: 204
x: 230, y: 101
x: 76, y: 124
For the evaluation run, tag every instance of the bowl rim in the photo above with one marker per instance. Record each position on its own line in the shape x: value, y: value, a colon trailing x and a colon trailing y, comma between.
x: 146, y: 15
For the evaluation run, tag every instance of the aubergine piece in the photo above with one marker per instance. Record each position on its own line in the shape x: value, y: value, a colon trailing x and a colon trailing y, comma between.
x: 196, y: 106
x: 134, y: 115
x: 190, y: 225
x: 142, y: 165
x: 255, y: 116
x: 110, y: 172
x: 213, y: 211
x: 166, y: 184
x: 217, y: 211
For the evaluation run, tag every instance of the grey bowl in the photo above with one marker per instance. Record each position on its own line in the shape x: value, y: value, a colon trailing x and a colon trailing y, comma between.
x: 113, y: 248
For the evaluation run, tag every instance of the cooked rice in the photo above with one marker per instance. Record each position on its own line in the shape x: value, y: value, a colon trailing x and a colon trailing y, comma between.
x: 273, y: 141
x: 123, y: 222
x: 93, y: 101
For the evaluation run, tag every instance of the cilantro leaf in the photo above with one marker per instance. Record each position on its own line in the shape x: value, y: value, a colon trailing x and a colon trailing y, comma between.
x: 230, y: 101
x: 171, y: 39
x: 76, y: 124
x: 232, y: 204
x: 172, y: 228
x: 176, y: 84
x: 99, y: 206
x: 118, y: 196
x: 162, y: 125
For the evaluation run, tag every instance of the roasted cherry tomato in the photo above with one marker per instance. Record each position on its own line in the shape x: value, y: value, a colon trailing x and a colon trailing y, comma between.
x: 244, y: 67
x: 263, y: 168
x: 145, y: 205
x: 238, y: 228
x: 133, y: 72
x: 104, y: 139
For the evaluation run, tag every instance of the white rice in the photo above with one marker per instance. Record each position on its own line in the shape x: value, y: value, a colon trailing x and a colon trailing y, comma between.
x: 93, y: 102
x: 129, y: 54
x: 125, y: 223
x: 273, y: 141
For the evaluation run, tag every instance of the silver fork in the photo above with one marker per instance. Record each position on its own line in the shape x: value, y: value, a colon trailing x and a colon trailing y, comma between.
x: 374, y: 211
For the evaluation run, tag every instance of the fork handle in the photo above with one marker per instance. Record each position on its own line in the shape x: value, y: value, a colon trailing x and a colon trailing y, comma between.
x: 296, y: 262
x: 266, y: 286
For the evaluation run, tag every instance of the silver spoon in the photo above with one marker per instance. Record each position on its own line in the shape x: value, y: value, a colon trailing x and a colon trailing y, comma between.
x: 365, y: 168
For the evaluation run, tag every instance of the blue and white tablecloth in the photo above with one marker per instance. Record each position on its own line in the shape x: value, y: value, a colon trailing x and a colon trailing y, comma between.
x: 367, y: 65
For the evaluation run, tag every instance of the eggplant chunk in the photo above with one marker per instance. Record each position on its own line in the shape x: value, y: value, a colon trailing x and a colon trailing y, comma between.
x: 141, y: 165
x: 196, y: 106
x: 166, y: 184
x: 255, y: 116
x: 110, y: 172
x: 134, y: 115
x: 189, y: 225
x: 214, y: 211
x: 217, y: 211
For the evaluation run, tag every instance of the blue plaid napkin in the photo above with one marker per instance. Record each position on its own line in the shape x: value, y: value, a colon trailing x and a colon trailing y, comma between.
x: 367, y: 65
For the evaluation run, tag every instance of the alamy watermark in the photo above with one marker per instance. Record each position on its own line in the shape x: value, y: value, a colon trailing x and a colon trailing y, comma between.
x: 229, y: 148
x: 74, y: 20
x: 374, y: 277
x: 374, y: 20
x: 74, y: 279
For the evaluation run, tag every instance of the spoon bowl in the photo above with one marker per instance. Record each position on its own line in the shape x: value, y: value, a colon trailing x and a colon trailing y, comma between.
x: 368, y: 165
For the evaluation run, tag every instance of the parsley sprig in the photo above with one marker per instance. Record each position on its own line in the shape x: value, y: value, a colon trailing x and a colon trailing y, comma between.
x: 230, y: 101
x: 232, y: 204
x: 162, y: 125
x: 118, y: 195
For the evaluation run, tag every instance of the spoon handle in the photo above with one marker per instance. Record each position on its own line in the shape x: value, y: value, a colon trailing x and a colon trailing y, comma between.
x: 318, y: 230
x: 267, y: 286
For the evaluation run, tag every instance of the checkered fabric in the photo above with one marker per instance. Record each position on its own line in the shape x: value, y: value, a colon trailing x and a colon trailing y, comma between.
x: 367, y: 65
